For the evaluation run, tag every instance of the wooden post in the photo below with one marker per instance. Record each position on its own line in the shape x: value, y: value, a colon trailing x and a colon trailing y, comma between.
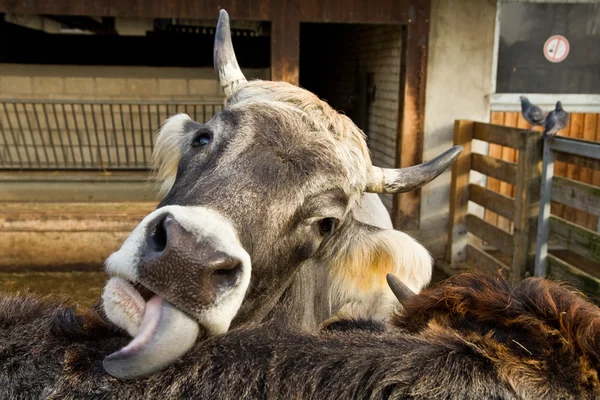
x: 406, y: 207
x: 285, y: 42
x: 527, y: 197
x: 459, y: 195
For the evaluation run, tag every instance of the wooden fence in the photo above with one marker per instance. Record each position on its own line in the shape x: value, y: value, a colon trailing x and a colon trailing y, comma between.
x: 504, y: 235
x: 581, y: 126
x: 472, y: 239
x: 575, y: 252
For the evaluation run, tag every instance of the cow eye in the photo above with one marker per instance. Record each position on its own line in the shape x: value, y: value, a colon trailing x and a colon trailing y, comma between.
x: 327, y: 226
x: 202, y: 138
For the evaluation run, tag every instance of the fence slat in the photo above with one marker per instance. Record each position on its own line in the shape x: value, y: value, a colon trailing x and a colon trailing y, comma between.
x: 498, y: 134
x: 459, y: 194
x: 580, y: 240
x: 491, y: 234
x: 493, y: 201
x: 527, y: 196
x: 496, y: 168
x: 562, y: 270
x: 576, y: 194
x: 483, y: 261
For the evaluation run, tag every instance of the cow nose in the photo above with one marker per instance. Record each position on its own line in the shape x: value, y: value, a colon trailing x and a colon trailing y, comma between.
x: 177, y: 259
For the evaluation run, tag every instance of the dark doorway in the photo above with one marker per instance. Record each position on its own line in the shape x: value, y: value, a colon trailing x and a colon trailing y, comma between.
x: 357, y: 70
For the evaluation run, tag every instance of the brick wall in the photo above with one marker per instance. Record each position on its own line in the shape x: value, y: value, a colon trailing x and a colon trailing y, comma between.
x: 67, y: 82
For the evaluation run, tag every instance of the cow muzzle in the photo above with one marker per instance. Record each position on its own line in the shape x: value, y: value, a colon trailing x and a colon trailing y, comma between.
x: 181, y: 270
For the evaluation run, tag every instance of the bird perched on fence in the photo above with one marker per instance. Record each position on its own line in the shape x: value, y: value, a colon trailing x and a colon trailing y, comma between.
x: 556, y: 121
x: 532, y: 113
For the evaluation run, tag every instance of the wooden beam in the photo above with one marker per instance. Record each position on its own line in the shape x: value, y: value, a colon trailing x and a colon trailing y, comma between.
x: 527, y: 200
x: 494, y: 167
x: 562, y: 270
x: 481, y: 261
x: 573, y: 237
x: 576, y: 194
x: 285, y: 42
x: 493, y: 201
x: 411, y: 116
x: 459, y: 195
x: 497, y: 134
x: 491, y: 234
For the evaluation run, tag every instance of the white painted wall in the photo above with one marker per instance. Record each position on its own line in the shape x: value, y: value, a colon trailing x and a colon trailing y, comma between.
x: 459, y: 80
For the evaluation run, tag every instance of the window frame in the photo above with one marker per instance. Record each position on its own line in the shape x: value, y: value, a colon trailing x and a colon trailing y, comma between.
x: 509, y: 102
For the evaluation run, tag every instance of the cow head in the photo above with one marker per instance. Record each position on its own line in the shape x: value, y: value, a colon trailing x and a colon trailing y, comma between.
x: 267, y: 185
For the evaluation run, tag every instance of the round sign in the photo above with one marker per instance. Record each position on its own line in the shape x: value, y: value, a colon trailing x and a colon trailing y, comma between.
x: 556, y: 48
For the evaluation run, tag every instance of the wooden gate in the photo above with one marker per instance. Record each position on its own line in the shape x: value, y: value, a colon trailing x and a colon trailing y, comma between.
x: 472, y: 239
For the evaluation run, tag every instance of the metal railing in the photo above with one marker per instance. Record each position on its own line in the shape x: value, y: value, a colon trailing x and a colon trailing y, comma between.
x: 86, y: 134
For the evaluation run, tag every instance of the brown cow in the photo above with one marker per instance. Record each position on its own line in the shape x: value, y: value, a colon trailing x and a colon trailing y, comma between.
x: 471, y: 337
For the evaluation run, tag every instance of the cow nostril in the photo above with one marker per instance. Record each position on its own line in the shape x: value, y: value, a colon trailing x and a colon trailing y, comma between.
x: 158, y: 238
x: 226, y: 273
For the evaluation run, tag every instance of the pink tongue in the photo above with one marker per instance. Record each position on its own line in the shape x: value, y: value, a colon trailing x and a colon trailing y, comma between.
x: 147, y: 327
x: 164, y: 336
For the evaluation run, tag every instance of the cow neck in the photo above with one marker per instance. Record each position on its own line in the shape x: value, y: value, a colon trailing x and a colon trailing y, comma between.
x: 265, y: 303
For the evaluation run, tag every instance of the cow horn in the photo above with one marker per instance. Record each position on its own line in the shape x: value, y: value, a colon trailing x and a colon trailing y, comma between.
x: 400, y: 290
x: 400, y: 180
x: 226, y: 65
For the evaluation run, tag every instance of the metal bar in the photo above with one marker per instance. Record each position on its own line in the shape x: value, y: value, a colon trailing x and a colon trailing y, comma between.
x: 124, y: 135
x: 575, y: 146
x: 33, y: 141
x: 77, y: 135
x: 114, y: 127
x: 142, y: 135
x: 105, y: 135
x: 158, y: 118
x: 56, y: 163
x: 150, y: 129
x: 135, y: 158
x: 68, y: 133
x: 26, y: 150
x: 203, y: 114
x: 12, y: 134
x: 37, y: 121
x: 543, y: 230
x: 98, y: 149
x: 195, y: 113
x: 87, y: 135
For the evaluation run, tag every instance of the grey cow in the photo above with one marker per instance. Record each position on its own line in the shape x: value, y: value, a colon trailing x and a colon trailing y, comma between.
x: 261, y: 221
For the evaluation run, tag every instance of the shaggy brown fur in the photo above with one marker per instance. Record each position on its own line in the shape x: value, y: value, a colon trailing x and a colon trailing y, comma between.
x: 472, y: 337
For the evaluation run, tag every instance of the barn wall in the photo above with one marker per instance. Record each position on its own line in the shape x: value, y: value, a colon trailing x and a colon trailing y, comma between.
x: 378, y: 49
x: 459, y: 77
x: 73, y: 82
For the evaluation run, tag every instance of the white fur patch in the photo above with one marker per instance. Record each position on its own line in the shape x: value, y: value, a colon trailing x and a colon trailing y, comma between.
x: 206, y: 225
x: 358, y: 274
x: 168, y: 149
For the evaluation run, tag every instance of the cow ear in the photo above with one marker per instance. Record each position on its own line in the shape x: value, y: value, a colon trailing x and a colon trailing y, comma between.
x: 359, y: 271
x: 168, y: 150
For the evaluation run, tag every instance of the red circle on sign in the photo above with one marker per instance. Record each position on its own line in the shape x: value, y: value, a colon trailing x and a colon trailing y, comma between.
x: 556, y: 48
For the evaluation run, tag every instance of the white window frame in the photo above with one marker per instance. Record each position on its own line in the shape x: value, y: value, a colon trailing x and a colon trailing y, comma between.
x: 582, y: 103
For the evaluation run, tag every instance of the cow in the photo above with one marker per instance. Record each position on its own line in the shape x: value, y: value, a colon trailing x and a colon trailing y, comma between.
x: 471, y: 337
x: 257, y: 223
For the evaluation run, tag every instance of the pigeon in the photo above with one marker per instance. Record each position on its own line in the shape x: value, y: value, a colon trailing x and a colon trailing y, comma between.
x: 532, y: 113
x: 556, y: 121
